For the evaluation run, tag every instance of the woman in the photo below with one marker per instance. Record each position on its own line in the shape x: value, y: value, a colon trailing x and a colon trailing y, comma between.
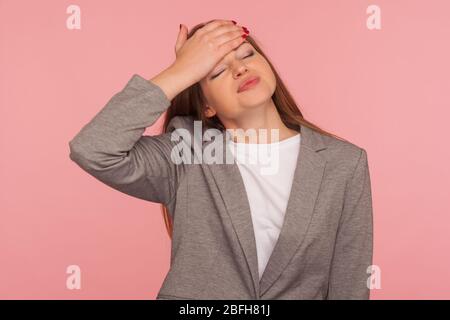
x: 302, y: 232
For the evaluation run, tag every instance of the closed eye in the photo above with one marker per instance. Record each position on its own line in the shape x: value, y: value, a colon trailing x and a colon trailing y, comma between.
x: 251, y: 54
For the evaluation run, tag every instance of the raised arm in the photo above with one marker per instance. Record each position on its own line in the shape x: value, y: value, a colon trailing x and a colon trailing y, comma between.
x: 112, y: 148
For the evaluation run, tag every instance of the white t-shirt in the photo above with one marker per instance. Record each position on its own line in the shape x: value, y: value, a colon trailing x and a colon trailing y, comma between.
x: 267, y: 171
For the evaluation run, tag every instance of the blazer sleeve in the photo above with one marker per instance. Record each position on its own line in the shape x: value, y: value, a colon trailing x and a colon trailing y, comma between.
x: 354, y: 240
x: 112, y: 147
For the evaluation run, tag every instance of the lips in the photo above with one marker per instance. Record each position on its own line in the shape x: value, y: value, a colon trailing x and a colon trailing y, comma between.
x: 248, y: 83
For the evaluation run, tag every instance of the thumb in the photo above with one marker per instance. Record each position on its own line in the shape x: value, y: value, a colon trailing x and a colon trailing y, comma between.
x: 182, y: 37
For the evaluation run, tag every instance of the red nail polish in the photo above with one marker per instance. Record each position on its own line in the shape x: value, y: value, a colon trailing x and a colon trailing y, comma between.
x: 234, y: 21
x: 244, y: 36
x: 180, y: 26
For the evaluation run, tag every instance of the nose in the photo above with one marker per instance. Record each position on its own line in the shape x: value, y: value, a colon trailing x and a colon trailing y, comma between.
x: 241, y: 69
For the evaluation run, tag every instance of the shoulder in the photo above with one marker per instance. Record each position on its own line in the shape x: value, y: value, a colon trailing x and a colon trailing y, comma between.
x: 344, y: 155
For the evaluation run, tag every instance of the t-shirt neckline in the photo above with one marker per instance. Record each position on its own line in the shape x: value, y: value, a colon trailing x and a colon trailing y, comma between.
x: 283, y: 142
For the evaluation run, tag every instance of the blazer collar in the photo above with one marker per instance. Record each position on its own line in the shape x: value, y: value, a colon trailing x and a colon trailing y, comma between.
x: 308, y: 176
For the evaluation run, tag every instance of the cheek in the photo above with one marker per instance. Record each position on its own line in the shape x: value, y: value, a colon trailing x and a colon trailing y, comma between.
x: 223, y: 99
x: 269, y: 75
x: 268, y: 80
x: 263, y: 69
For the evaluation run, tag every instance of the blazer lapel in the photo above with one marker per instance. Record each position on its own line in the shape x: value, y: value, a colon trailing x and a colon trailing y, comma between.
x: 304, y: 191
x: 232, y: 189
x: 305, y: 188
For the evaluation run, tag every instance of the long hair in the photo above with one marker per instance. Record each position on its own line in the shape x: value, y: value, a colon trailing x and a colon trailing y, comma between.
x: 191, y: 102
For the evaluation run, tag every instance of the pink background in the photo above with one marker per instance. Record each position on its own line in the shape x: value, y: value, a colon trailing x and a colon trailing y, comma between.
x: 386, y: 90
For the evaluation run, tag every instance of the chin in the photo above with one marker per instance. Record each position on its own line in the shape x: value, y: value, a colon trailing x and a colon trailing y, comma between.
x: 255, y: 98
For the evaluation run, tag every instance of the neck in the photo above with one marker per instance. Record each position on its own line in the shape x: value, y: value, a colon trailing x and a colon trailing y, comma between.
x: 250, y: 126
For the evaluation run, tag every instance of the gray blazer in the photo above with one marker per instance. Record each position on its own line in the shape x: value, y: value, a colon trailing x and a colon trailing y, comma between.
x: 325, y: 245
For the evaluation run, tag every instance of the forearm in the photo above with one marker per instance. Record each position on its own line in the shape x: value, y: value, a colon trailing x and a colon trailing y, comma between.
x: 112, y: 148
x: 172, y: 81
x: 115, y: 129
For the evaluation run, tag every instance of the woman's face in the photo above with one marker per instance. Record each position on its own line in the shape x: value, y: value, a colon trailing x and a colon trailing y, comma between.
x: 220, y: 86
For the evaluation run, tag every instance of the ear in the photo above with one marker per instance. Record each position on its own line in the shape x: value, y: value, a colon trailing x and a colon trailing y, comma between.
x: 209, y: 112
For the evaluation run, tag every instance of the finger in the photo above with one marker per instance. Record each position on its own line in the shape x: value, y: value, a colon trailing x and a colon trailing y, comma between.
x: 228, y: 41
x: 233, y: 43
x: 224, y: 30
x: 215, y: 24
x: 181, y: 39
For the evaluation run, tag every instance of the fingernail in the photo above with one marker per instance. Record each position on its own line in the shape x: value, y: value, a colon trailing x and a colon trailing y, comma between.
x: 180, y: 26
x: 233, y: 21
x: 245, y: 30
